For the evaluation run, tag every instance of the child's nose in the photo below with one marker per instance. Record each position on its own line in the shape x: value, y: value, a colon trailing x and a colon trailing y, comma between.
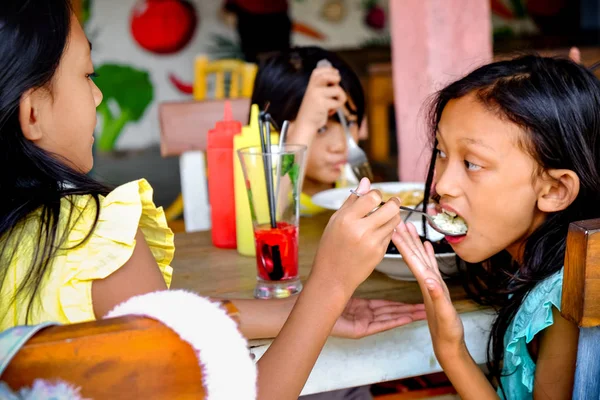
x: 338, y: 142
x: 446, y: 183
x: 97, y: 95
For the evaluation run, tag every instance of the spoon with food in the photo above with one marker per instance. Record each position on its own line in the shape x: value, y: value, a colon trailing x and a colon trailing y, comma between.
x: 446, y: 222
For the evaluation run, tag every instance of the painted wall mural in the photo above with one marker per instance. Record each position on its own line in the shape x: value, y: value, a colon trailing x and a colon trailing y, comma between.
x: 163, y: 26
x: 144, y: 51
x: 127, y: 94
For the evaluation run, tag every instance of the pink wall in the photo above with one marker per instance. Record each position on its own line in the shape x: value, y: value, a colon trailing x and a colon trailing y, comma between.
x: 434, y: 42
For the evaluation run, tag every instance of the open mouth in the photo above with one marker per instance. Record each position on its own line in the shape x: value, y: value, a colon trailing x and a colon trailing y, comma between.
x: 451, y: 222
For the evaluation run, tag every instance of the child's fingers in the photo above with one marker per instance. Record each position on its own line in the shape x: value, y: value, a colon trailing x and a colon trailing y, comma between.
x: 415, y: 315
x: 444, y: 310
x: 411, y: 236
x: 418, y: 244
x: 326, y: 77
x: 431, y: 256
x: 435, y: 265
x: 365, y: 204
x: 381, y: 326
x: 403, y: 242
x: 387, y: 230
x: 575, y: 55
x: 324, y: 69
x: 335, y: 93
x: 363, y: 187
x: 386, y: 213
x: 397, y: 308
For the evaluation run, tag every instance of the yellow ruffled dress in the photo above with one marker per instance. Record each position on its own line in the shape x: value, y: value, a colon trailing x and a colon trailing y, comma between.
x: 65, y: 293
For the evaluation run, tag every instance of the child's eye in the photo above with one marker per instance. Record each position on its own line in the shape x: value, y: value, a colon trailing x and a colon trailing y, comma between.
x: 472, y: 167
x: 441, y: 154
x: 322, y: 129
x: 92, y: 75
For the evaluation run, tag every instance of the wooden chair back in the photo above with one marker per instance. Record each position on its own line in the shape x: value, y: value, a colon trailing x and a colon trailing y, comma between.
x: 127, y: 357
x: 240, y: 73
x: 581, y: 303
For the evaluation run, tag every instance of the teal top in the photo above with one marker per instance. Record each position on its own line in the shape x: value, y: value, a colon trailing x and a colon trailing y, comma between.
x: 534, y: 315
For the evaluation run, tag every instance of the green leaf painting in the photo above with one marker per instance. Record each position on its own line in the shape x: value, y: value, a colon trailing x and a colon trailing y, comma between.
x: 131, y: 90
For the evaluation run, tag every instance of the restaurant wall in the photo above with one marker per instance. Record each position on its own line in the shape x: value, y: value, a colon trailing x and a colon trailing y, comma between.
x: 144, y: 51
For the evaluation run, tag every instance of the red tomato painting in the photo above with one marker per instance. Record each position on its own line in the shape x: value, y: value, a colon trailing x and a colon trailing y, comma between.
x: 163, y: 26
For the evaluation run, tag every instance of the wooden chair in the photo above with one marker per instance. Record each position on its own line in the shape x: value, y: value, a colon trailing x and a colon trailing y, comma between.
x: 126, y: 357
x: 190, y: 139
x: 581, y: 303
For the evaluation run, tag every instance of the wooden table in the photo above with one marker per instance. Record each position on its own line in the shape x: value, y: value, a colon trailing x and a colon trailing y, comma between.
x: 396, y: 354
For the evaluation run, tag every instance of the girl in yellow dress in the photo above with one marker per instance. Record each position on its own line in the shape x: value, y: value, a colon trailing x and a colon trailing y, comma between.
x: 71, y: 249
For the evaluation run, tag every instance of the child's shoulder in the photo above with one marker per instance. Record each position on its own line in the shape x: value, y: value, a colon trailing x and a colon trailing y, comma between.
x: 93, y: 249
x: 533, y: 316
x: 123, y: 212
x: 536, y: 308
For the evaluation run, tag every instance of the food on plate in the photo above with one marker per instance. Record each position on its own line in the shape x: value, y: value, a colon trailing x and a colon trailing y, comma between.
x: 441, y: 247
x: 408, y: 198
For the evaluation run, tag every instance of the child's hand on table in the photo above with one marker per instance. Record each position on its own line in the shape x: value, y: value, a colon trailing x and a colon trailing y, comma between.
x: 364, y: 317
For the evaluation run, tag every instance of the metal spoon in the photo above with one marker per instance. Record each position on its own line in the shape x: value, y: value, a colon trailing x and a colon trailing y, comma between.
x: 430, y: 219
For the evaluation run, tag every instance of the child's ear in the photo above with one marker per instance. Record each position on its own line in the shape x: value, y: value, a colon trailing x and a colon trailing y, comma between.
x: 560, y: 188
x: 28, y: 116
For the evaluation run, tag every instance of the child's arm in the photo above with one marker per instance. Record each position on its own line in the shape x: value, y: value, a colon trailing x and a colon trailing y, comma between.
x: 336, y: 273
x: 360, y: 317
x: 445, y: 326
x: 322, y: 97
x: 139, y: 275
x: 555, y: 366
x: 258, y: 318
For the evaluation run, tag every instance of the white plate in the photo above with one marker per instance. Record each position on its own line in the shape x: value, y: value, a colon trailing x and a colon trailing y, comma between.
x: 334, y: 198
x: 393, y: 265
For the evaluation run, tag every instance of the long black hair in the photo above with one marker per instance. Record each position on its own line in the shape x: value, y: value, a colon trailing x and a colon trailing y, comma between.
x: 282, y: 79
x: 557, y: 103
x: 33, y: 37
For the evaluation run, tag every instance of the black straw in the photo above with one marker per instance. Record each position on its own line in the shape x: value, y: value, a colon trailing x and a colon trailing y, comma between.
x: 265, y: 143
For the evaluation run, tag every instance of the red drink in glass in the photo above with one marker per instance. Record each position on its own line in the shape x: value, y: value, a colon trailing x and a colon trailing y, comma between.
x: 285, y: 237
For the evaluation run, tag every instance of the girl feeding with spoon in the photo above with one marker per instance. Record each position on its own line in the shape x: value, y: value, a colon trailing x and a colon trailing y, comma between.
x: 71, y: 249
x: 516, y: 155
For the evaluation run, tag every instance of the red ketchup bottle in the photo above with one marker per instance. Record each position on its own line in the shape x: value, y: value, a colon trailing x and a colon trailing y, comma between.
x: 220, y: 179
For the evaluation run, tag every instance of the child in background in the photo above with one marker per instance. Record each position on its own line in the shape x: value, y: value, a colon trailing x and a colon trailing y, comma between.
x: 307, y: 96
x: 516, y: 156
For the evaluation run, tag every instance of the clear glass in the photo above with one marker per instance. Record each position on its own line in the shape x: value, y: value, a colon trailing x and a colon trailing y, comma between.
x: 275, y: 216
